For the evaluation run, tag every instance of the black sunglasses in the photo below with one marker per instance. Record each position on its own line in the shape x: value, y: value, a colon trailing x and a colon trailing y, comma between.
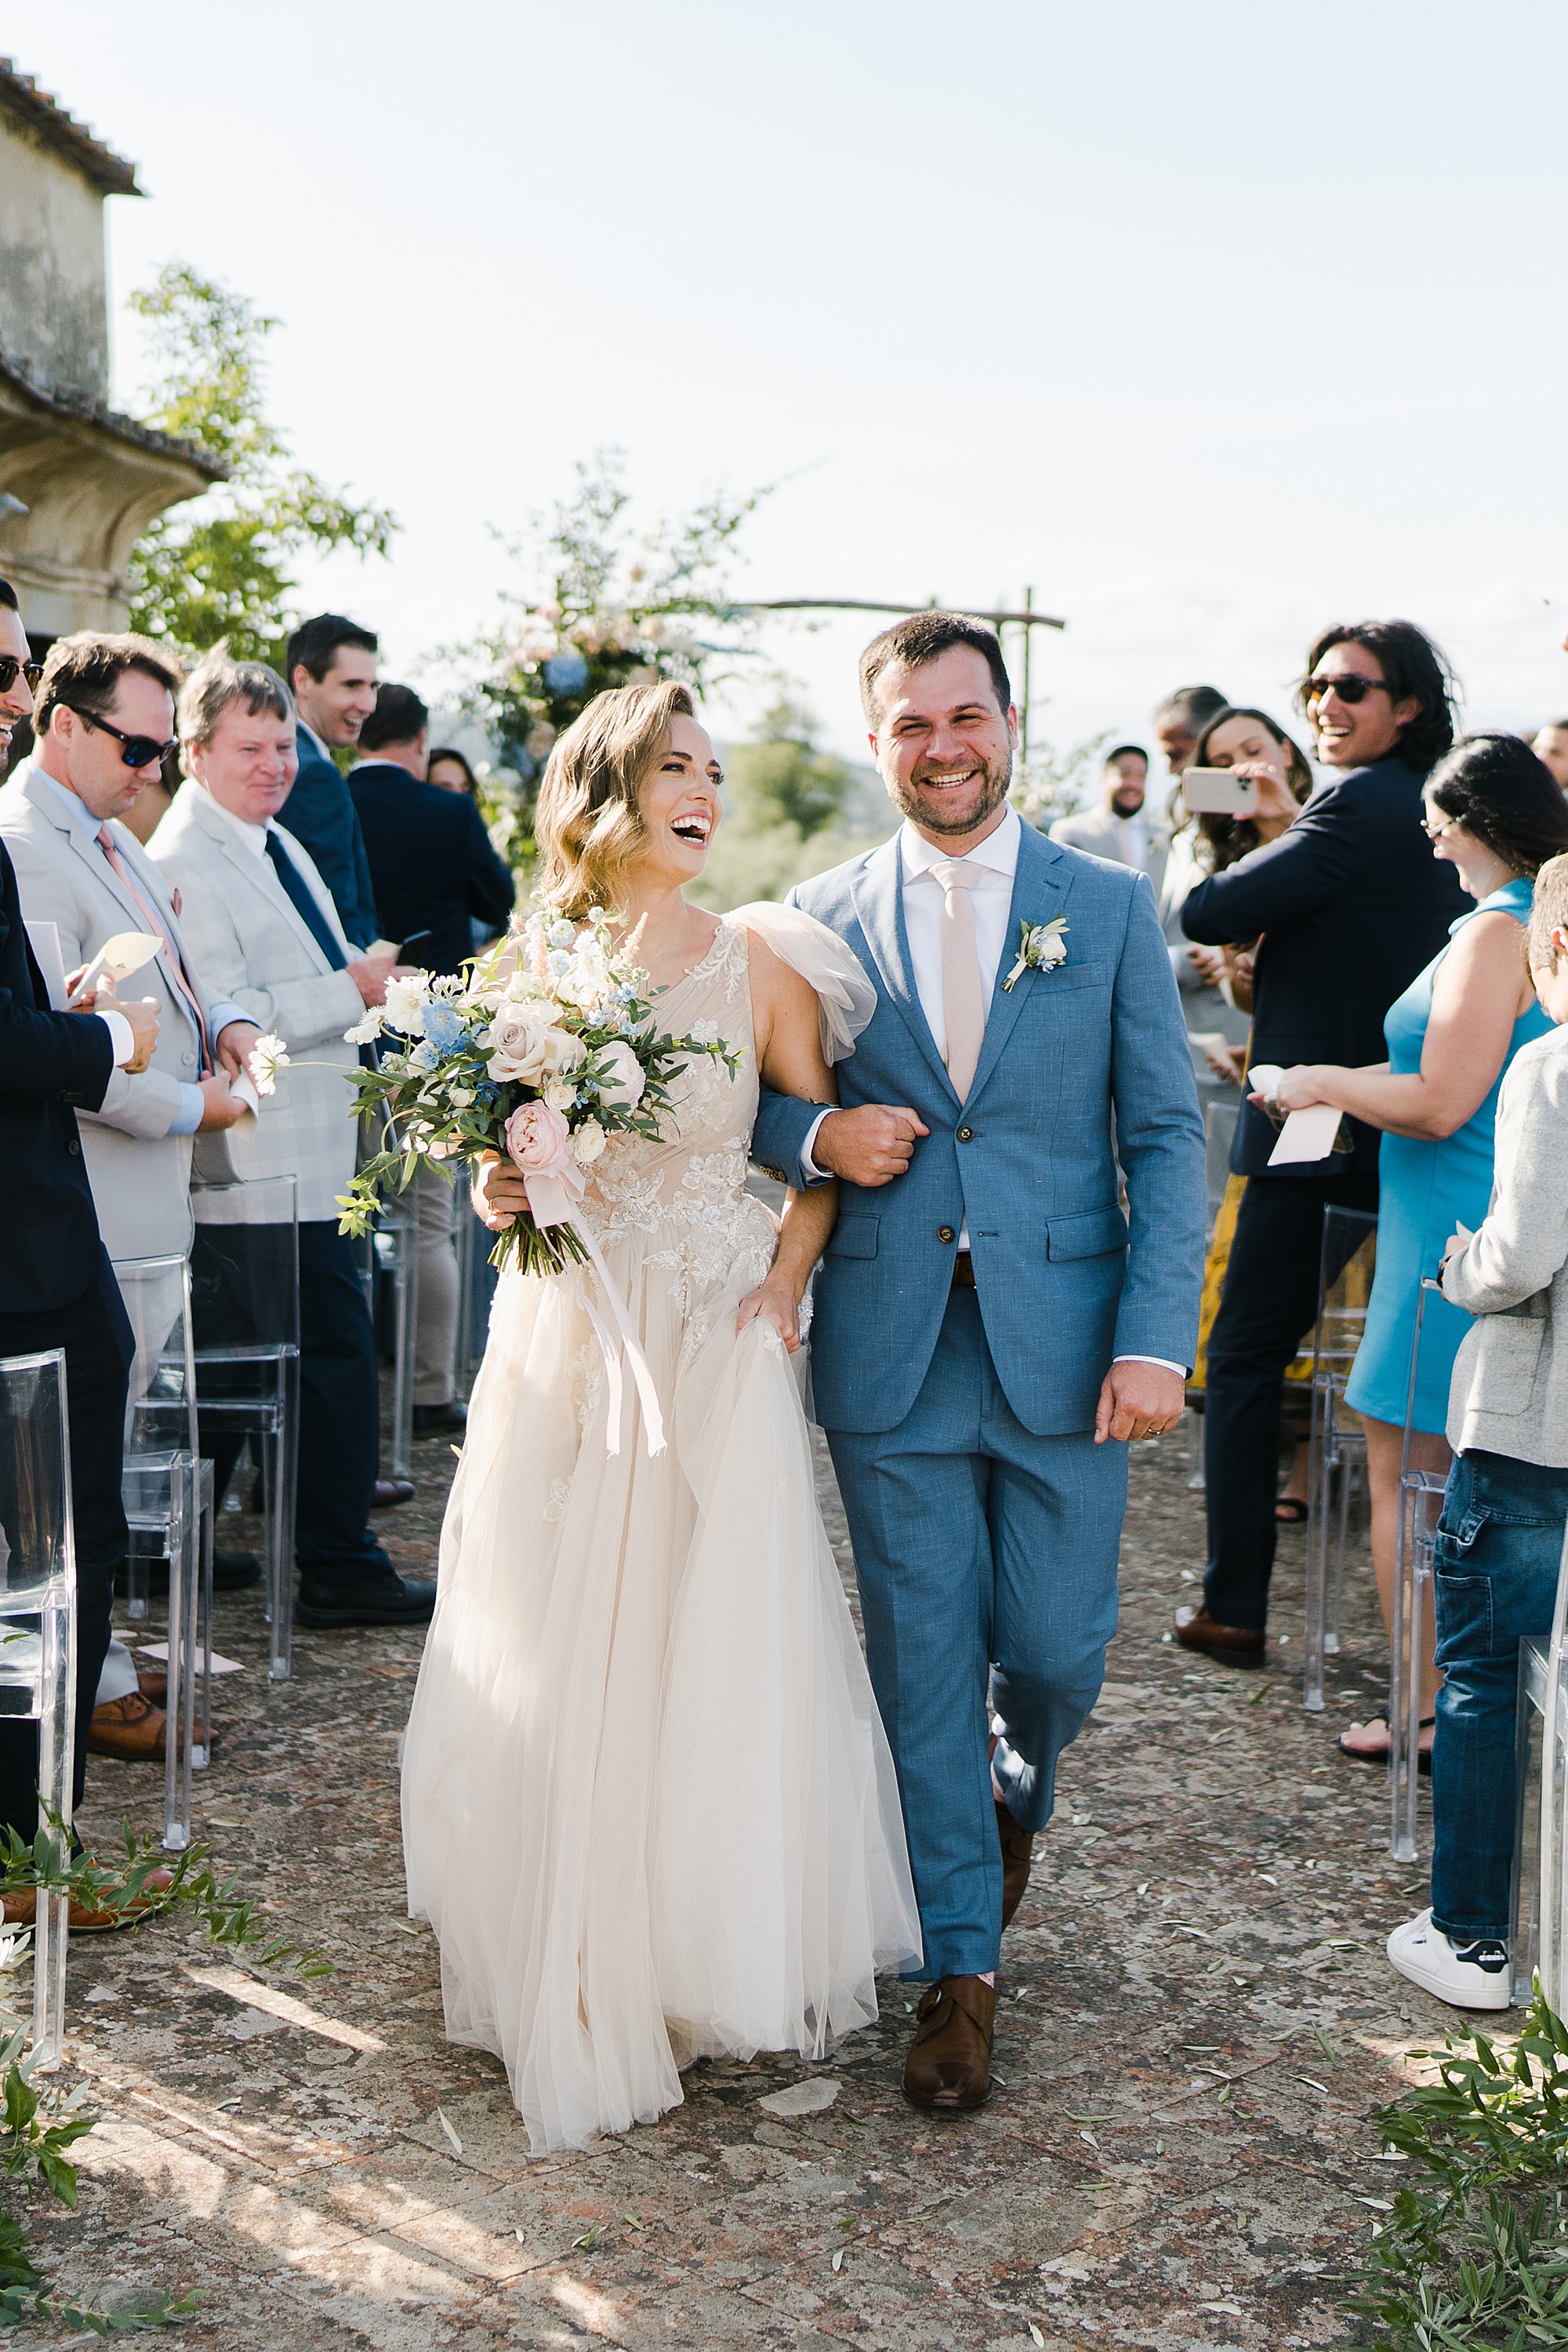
x: 1349, y: 689
x: 140, y: 752
x: 9, y: 665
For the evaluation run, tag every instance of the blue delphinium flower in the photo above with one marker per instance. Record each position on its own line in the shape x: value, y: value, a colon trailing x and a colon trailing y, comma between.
x: 443, y: 1027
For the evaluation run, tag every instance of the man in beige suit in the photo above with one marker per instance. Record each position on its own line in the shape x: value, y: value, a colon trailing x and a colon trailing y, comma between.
x: 104, y: 714
x: 1120, y: 826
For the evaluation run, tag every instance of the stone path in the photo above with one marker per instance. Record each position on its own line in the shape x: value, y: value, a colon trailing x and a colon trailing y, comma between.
x: 1196, y: 2021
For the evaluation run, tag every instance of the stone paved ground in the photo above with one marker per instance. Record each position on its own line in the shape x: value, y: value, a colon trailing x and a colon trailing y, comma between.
x: 1196, y: 2019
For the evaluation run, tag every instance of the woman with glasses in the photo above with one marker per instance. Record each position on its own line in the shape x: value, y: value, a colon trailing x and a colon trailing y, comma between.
x: 1495, y: 814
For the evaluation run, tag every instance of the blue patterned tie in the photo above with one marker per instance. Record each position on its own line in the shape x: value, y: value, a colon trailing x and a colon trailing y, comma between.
x: 304, y: 903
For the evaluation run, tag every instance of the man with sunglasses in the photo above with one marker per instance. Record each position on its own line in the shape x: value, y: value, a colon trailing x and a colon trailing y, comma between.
x: 1351, y: 905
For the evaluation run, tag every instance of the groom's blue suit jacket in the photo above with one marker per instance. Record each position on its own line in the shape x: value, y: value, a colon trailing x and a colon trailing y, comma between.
x: 1029, y: 1160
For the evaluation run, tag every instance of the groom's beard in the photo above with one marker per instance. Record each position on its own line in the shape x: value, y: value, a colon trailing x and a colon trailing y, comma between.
x: 939, y: 814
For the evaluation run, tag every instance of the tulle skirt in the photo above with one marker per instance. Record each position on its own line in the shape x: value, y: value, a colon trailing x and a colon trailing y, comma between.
x: 648, y: 1805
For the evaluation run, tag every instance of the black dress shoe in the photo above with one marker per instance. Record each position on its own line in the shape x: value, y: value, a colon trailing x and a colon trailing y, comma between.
x: 388, y: 1491
x: 430, y: 1420
x: 233, y: 1572
x: 377, y: 1601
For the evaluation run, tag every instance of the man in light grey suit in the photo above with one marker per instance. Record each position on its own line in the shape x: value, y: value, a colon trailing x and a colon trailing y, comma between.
x: 1121, y: 826
x: 989, y: 1332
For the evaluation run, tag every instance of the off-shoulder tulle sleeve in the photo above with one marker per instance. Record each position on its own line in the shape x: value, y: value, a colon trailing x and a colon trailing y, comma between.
x: 846, y: 998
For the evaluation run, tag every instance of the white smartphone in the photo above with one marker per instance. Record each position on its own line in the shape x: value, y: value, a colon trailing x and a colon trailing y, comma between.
x: 1217, y: 792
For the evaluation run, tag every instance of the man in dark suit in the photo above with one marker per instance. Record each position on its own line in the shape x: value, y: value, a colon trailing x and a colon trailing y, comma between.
x: 331, y: 676
x: 1351, y: 905
x: 435, y: 875
x: 56, y: 1286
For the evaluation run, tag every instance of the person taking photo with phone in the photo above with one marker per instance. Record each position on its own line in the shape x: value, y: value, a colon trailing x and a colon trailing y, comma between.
x: 1493, y: 814
x: 1350, y: 905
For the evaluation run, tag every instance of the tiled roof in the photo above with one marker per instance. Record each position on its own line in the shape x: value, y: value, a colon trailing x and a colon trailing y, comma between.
x: 64, y: 401
x: 20, y: 95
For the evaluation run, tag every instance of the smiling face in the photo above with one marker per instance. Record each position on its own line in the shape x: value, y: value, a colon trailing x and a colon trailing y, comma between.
x: 943, y: 747
x: 1245, y: 743
x: 248, y: 764
x: 17, y: 702
x: 680, y: 807
x: 337, y: 705
x: 1354, y: 734
x: 90, y: 761
x: 1126, y: 782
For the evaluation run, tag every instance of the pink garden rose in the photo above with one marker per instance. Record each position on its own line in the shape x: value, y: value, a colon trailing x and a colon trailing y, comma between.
x: 539, y: 1140
x: 621, y: 1087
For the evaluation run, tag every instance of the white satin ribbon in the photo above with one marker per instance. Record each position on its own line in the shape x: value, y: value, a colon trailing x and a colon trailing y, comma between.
x: 552, y: 1201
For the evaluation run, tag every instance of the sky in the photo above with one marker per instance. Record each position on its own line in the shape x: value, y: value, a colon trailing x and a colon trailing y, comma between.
x: 1211, y: 324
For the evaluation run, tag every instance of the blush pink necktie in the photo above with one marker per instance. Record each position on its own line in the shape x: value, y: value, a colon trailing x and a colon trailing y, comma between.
x: 962, y: 1005
x: 155, y: 924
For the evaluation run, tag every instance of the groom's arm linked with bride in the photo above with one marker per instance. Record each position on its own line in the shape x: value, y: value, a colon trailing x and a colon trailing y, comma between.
x: 989, y: 1325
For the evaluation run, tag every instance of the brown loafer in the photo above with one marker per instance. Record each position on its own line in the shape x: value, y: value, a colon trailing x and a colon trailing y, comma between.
x: 1233, y: 1645
x: 1017, y: 1853
x: 948, y: 2069
x: 22, y: 1908
x: 131, y: 1730
x: 389, y: 1492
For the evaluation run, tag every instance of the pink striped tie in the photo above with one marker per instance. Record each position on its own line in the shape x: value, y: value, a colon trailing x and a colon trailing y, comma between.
x: 155, y: 924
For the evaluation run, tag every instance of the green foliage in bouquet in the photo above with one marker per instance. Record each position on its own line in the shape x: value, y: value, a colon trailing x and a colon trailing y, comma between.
x: 543, y: 1054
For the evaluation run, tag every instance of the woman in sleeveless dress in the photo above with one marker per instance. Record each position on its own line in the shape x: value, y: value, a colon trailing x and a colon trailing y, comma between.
x: 648, y: 1805
x: 1494, y: 812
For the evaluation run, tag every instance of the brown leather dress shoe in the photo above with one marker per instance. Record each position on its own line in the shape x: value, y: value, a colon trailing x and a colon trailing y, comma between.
x: 1233, y: 1645
x: 1017, y: 1853
x: 131, y: 1730
x: 152, y: 1682
x: 22, y: 1908
x: 948, y: 2069
x: 388, y: 1492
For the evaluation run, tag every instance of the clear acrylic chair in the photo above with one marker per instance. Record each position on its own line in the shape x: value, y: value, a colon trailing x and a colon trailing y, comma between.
x: 37, y: 1636
x: 1416, y: 1537
x: 162, y: 1484
x: 1337, y: 1448
x: 1538, y: 1905
x: 391, y: 1258
x: 244, y: 1305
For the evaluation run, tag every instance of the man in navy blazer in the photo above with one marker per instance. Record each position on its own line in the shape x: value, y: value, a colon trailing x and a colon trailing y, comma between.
x: 56, y: 1286
x: 435, y: 875
x: 331, y: 676
x: 1351, y: 905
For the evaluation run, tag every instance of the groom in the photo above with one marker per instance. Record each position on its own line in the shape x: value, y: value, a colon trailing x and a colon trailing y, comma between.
x: 989, y: 1334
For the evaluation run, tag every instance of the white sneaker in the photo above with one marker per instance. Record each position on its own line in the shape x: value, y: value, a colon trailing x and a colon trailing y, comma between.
x: 1467, y: 1976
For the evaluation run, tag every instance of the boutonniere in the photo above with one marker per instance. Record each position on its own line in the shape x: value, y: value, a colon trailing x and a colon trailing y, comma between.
x: 1040, y: 944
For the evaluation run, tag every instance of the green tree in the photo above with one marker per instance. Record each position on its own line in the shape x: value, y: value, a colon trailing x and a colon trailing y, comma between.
x: 603, y: 607
x: 225, y: 565
x: 785, y: 777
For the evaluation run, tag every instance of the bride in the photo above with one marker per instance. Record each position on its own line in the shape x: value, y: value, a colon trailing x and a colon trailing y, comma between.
x: 648, y: 1806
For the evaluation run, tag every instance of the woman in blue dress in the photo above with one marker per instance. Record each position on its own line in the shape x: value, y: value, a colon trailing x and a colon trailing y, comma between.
x: 1495, y: 813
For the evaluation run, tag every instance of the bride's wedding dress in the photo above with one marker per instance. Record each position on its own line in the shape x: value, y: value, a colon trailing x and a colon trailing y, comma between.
x: 648, y: 1806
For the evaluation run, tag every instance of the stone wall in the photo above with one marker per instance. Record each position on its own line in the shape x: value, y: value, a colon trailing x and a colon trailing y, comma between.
x: 54, y: 320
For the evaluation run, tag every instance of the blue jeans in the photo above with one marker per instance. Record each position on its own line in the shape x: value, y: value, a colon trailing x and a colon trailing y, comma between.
x: 981, y: 1551
x: 1499, y: 1543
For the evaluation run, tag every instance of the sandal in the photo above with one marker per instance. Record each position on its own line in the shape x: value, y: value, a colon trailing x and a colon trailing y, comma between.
x: 1289, y: 1511
x: 1379, y: 1755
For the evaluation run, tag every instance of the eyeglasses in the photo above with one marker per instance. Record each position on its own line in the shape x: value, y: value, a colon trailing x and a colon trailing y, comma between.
x: 9, y: 665
x: 1349, y: 689
x: 1436, y: 832
x: 140, y: 750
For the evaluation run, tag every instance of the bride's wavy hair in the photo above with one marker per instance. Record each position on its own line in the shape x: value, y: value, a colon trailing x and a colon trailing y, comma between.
x: 588, y: 823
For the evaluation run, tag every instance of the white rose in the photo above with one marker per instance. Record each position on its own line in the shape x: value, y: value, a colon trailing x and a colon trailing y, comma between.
x: 588, y: 1143
x: 621, y: 1086
x: 518, y: 1043
x: 1054, y: 950
x: 560, y: 1093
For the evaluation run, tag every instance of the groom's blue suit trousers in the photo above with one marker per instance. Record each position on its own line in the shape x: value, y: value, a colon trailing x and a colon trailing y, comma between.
x: 982, y: 1553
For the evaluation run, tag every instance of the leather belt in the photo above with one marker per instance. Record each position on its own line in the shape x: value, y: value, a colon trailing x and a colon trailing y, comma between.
x: 964, y: 1271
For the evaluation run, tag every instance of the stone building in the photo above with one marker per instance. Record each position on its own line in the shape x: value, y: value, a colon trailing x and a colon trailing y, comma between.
x: 79, y: 484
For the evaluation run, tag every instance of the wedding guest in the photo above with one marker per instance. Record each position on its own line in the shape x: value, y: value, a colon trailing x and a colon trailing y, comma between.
x: 56, y: 1286
x: 1120, y: 827
x: 1495, y: 814
x: 1499, y: 1541
x: 1178, y: 722
x: 450, y: 772
x: 434, y: 873
x: 265, y: 928
x: 331, y: 669
x: 1550, y: 745
x: 1349, y: 906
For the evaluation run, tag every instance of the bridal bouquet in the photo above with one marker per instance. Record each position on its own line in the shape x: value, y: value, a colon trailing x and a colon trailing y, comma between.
x: 542, y: 1063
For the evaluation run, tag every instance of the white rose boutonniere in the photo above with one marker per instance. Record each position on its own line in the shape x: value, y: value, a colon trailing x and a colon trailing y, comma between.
x: 1040, y: 945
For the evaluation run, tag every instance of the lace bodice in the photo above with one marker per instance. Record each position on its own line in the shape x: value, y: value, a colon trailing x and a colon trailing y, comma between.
x: 694, y: 1176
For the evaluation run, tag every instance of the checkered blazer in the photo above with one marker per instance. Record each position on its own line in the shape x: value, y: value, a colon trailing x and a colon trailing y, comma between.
x: 253, y: 945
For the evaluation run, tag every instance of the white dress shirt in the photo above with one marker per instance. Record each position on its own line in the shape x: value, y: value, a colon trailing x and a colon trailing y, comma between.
x: 991, y: 897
